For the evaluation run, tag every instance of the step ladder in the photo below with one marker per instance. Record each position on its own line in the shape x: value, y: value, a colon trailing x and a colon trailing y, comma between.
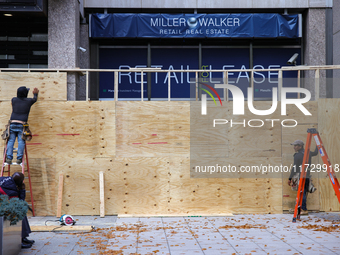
x: 313, y: 133
x: 24, y: 157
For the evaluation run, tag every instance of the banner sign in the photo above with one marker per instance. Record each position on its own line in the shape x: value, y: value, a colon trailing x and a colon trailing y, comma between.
x: 129, y: 83
x: 256, y: 25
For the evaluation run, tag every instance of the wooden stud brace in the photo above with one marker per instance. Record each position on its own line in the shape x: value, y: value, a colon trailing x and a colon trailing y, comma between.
x: 280, y: 85
x: 60, y: 195
x: 116, y: 87
x: 101, y: 191
x: 317, y: 84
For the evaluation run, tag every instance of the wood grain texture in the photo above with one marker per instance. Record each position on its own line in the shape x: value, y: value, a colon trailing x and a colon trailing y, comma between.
x: 101, y: 192
x: 329, y: 119
x: 152, y: 129
x: 143, y: 150
x: 60, y: 195
x: 52, y: 86
x: 69, y: 129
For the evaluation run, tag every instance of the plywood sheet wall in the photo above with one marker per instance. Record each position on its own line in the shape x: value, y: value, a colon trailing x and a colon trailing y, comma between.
x: 143, y: 148
x: 329, y: 121
x: 52, y: 86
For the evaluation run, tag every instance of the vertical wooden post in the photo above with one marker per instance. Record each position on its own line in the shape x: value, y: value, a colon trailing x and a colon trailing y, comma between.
x: 87, y: 85
x: 169, y: 88
x: 317, y: 83
x: 225, y: 91
x: 196, y: 79
x: 142, y: 85
x: 101, y: 191
x: 252, y: 83
x: 116, y: 87
x: 60, y: 195
x: 298, y: 82
x: 280, y: 85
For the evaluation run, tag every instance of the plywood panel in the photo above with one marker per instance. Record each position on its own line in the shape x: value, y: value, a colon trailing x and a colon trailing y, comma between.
x: 43, y: 184
x: 146, y: 187
x: 143, y: 149
x: 273, y: 195
x: 329, y: 201
x: 105, y: 128
x: 159, y: 186
x: 52, y: 86
x: 245, y: 142
x: 152, y: 129
x: 81, y: 189
x: 242, y: 167
x: 132, y: 186
x: 329, y: 119
x: 295, y: 113
x: 70, y: 129
x: 197, y: 196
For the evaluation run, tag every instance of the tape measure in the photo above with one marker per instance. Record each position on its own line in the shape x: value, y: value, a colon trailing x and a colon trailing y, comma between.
x: 67, y: 220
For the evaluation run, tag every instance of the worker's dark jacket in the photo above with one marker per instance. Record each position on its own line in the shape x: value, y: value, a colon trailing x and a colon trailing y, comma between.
x: 9, y: 188
x: 21, y: 105
x: 298, y: 159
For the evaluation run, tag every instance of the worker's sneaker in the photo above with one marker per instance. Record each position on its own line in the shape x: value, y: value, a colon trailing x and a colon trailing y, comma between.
x: 27, y: 241
x: 303, y: 212
x: 8, y: 161
x: 26, y: 245
x: 19, y: 161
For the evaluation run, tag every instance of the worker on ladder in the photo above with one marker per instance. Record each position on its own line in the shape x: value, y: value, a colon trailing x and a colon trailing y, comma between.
x: 21, y: 106
x: 295, y: 173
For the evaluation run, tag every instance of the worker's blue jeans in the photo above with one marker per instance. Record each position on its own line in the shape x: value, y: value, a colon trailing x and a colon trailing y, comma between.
x: 304, y: 198
x: 15, y: 130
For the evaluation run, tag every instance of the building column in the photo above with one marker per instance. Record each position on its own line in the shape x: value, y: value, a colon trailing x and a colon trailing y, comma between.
x: 84, y: 60
x: 63, y: 40
x: 336, y: 48
x: 315, y: 49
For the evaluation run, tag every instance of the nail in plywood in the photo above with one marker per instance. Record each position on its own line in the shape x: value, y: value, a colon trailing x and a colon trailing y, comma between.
x: 60, y: 195
x: 52, y: 86
x: 102, y: 199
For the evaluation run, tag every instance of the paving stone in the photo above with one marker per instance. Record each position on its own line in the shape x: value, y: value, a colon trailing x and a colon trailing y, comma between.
x: 186, y: 252
x: 190, y: 235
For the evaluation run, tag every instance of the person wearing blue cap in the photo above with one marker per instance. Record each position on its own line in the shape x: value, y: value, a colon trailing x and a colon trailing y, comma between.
x: 21, y: 106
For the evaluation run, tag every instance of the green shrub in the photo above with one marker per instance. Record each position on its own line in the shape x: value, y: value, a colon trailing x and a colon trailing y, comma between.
x: 13, y: 209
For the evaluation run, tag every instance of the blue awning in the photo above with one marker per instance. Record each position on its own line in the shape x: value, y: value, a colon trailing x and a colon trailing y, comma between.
x: 257, y: 25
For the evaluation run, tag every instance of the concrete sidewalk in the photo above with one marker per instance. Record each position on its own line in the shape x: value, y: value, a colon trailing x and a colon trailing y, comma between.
x: 239, y: 234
